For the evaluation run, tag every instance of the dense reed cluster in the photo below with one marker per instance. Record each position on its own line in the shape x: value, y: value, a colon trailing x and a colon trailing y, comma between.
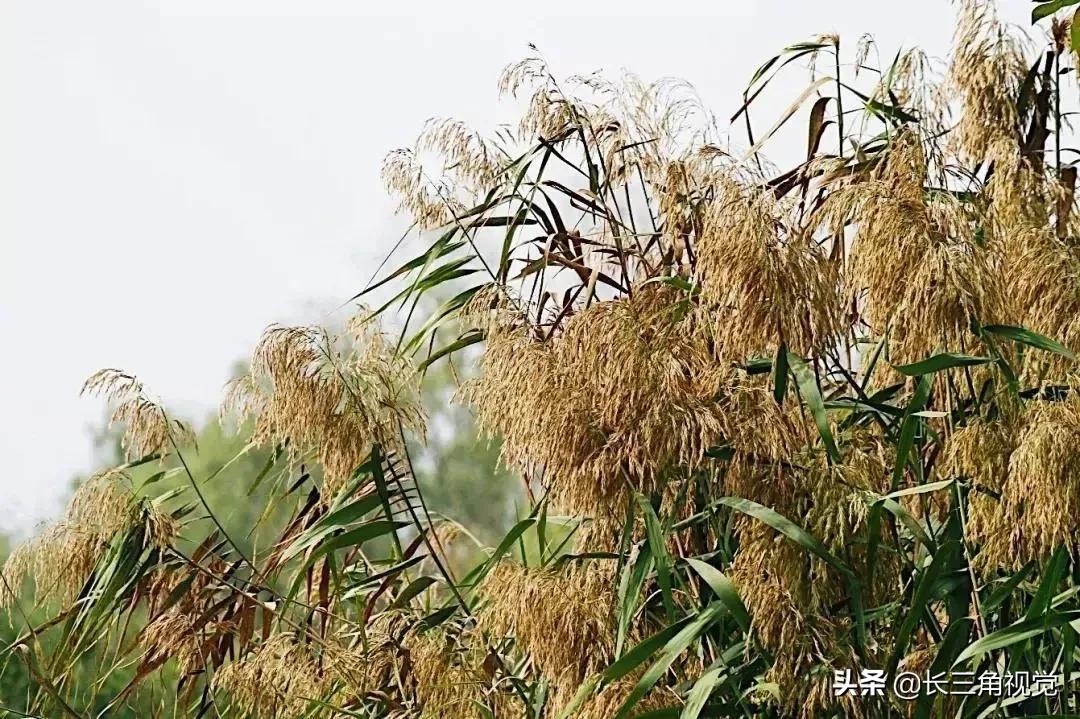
x: 774, y: 425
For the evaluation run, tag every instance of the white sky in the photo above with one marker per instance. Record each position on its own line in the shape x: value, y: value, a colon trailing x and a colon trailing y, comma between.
x: 177, y: 175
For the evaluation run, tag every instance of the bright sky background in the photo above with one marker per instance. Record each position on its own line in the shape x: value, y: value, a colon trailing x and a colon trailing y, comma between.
x: 177, y: 175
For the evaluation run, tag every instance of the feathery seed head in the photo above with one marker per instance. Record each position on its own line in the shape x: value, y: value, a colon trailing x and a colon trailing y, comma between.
x: 986, y: 71
x: 763, y: 285
x: 330, y: 402
x: 561, y: 618
x: 279, y: 678
x: 915, y: 255
x: 61, y: 557
x: 582, y: 407
x: 147, y: 428
x: 1040, y: 497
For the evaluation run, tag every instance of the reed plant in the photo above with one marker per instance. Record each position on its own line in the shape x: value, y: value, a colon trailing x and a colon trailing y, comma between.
x: 777, y: 426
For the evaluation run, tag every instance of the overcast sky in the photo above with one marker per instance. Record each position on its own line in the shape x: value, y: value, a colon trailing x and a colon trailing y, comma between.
x: 177, y: 175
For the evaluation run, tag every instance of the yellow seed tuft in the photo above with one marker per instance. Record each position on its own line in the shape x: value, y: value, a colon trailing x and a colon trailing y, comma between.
x: 333, y: 403
x: 147, y: 428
